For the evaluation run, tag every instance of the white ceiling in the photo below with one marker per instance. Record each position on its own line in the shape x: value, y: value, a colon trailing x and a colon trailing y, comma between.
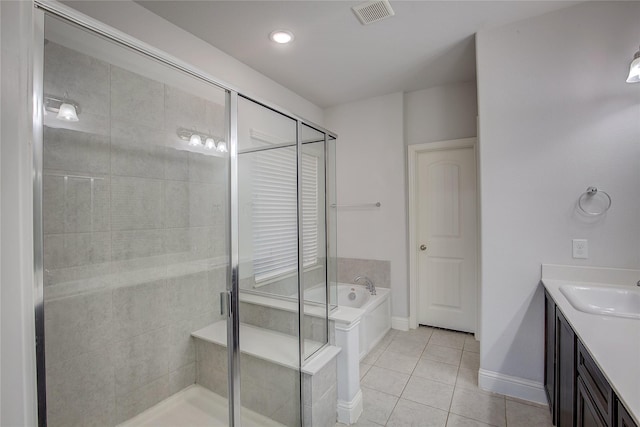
x: 334, y: 59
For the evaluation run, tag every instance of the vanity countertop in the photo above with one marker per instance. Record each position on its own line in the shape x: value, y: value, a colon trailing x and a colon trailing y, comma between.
x: 613, y: 342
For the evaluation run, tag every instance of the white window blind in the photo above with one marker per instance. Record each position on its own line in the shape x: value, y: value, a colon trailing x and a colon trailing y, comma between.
x: 274, y: 213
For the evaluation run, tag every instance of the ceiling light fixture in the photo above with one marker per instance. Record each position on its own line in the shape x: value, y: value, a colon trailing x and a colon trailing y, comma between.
x: 634, y: 69
x: 281, y: 36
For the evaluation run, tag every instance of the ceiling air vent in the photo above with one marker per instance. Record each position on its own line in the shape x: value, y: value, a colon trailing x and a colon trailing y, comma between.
x: 373, y: 11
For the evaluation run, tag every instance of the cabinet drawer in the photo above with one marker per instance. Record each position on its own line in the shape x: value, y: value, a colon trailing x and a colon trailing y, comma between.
x: 596, y: 384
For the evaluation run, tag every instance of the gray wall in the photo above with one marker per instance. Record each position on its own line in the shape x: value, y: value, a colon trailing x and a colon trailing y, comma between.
x: 371, y: 167
x: 556, y: 116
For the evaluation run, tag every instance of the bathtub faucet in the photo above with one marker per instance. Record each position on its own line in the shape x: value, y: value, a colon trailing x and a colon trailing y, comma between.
x: 369, y: 284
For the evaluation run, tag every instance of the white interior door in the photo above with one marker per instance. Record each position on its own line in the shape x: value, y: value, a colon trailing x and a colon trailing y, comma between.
x: 447, y: 239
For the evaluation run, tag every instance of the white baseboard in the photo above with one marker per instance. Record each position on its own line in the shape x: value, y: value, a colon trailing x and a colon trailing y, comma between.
x: 400, y: 323
x: 349, y: 412
x: 520, y: 388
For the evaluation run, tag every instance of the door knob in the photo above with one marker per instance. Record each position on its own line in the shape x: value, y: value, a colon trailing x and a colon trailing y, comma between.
x: 423, y: 247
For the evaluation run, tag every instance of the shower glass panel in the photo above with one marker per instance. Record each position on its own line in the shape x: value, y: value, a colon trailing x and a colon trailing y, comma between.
x: 268, y: 263
x: 136, y: 252
x: 314, y: 274
x: 332, y: 222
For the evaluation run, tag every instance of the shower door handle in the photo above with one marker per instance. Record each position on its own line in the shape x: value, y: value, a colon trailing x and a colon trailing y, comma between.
x: 225, y: 303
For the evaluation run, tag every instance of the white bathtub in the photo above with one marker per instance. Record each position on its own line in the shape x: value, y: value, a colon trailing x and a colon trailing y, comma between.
x: 376, y: 320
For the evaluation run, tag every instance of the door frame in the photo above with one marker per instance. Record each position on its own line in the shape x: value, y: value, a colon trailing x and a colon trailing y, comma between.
x: 412, y: 175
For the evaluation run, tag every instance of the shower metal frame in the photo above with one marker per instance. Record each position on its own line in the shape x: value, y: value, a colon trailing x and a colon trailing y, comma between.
x: 73, y: 17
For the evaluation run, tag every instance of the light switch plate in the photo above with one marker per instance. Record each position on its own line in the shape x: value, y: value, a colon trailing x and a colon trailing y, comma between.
x: 580, y: 248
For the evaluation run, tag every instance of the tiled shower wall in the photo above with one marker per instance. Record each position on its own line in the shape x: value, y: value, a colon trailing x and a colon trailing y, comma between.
x: 134, y: 244
x: 379, y: 271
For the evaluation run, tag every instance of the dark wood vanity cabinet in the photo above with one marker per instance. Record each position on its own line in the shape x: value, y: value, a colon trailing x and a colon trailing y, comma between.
x: 549, y: 353
x: 586, y: 413
x: 559, y: 366
x: 565, y: 372
x: 578, y: 392
x: 623, y: 418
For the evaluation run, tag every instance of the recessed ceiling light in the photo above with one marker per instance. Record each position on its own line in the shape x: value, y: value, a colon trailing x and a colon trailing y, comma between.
x: 281, y: 36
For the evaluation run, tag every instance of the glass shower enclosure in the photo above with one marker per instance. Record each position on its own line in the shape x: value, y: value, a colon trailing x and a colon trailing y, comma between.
x: 184, y: 241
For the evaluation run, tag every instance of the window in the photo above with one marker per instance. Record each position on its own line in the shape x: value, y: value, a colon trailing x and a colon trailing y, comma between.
x: 274, y: 212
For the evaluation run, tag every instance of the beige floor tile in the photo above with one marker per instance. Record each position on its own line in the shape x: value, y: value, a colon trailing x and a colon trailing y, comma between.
x: 385, y: 380
x: 442, y: 354
x: 467, y: 378
x: 471, y: 344
x: 458, y: 421
x: 364, y: 368
x: 407, y: 413
x: 448, y: 338
x: 397, y: 362
x: 528, y: 402
x: 470, y: 360
x: 421, y: 334
x: 386, y: 340
x: 360, y: 423
x: 522, y: 415
x: 479, y: 406
x: 408, y: 346
x: 377, y: 406
x: 373, y: 355
x: 427, y: 392
x: 436, y: 371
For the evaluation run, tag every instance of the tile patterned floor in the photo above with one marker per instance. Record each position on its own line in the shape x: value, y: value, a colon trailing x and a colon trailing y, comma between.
x: 429, y: 377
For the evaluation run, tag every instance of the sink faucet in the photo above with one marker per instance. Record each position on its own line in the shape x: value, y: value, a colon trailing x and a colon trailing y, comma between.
x: 368, y: 283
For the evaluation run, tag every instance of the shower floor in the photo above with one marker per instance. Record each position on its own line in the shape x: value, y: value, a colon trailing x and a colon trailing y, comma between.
x: 195, y: 406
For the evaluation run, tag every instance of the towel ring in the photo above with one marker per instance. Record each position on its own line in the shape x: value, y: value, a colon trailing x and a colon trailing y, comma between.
x: 591, y: 192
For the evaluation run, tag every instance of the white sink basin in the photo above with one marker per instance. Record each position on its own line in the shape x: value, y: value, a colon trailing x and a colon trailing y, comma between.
x: 620, y: 301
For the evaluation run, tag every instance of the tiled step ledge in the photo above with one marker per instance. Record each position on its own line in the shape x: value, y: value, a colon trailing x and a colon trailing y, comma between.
x: 340, y: 314
x: 269, y: 345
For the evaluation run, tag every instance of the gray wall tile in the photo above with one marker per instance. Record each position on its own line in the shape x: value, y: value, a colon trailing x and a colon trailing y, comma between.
x: 133, y: 403
x: 204, y: 168
x: 136, y: 203
x: 189, y: 294
x: 136, y: 99
x: 140, y: 360
x: 177, y: 196
x: 211, y: 367
x: 129, y: 245
x: 185, y: 110
x: 140, y: 308
x: 80, y: 391
x: 177, y: 240
x: 205, y: 204
x: 76, y: 249
x: 76, y: 151
x: 324, y: 410
x: 137, y: 150
x: 182, y: 378
x: 75, y: 205
x: 377, y: 270
x: 86, y: 79
x: 176, y: 166
x: 77, y: 325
